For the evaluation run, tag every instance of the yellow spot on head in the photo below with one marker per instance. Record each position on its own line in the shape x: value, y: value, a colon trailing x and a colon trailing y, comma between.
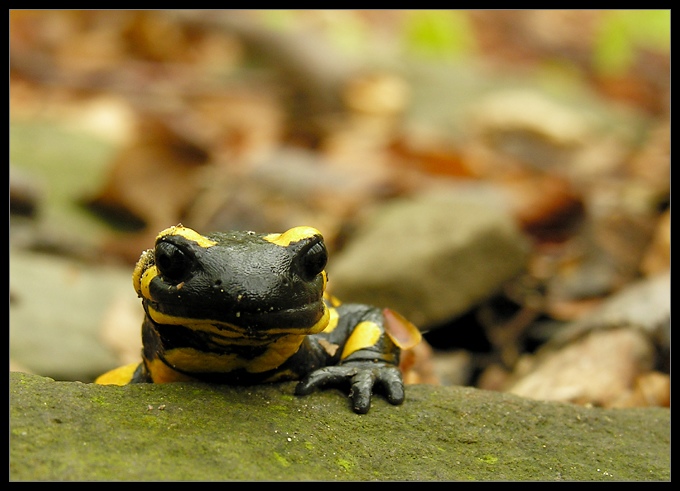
x: 188, y: 234
x: 295, y: 234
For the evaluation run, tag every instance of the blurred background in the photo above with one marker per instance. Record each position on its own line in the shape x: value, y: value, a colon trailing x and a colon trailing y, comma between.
x: 501, y: 178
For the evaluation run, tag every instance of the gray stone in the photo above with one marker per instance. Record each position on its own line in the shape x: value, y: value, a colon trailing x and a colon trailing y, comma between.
x: 66, y: 431
x: 433, y: 256
x: 56, y: 313
x: 644, y: 305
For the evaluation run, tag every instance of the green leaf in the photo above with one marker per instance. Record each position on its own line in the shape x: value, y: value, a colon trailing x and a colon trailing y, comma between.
x: 438, y: 33
x: 623, y: 34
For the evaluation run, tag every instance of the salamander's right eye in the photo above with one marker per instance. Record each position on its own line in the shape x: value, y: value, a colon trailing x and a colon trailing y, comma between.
x: 314, y: 260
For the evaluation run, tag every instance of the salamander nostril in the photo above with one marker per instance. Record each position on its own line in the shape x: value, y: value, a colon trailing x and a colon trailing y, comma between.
x: 218, y: 283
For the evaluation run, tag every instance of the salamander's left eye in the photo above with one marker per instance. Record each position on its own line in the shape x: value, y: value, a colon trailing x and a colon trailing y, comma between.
x: 314, y: 260
x: 173, y: 263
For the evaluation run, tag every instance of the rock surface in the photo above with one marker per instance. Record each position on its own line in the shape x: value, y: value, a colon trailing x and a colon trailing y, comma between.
x: 433, y: 256
x: 75, y: 431
x: 57, y: 309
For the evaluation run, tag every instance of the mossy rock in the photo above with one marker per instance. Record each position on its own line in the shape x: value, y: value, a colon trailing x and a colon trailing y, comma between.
x: 76, y: 431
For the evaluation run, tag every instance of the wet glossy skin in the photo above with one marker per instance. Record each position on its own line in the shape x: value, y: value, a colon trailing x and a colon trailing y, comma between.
x: 245, y: 308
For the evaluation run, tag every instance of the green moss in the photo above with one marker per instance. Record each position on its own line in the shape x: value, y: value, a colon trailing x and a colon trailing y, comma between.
x: 488, y: 459
x: 208, y: 433
x: 100, y: 401
x: 281, y: 459
x: 345, y: 464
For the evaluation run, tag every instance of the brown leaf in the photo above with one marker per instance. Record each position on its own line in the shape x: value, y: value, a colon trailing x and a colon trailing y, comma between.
x: 545, y: 205
x: 416, y: 365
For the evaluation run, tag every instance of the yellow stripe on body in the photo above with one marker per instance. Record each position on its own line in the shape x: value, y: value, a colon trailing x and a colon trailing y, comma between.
x: 118, y: 376
x: 163, y: 374
x: 227, y: 330
x: 330, y: 298
x: 322, y: 323
x: 222, y: 329
x: 193, y: 360
x: 279, y: 351
x: 187, y: 359
x: 333, y: 319
x: 364, y: 335
x: 196, y: 361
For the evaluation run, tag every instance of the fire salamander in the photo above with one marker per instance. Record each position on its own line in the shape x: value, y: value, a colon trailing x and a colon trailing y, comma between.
x: 247, y: 308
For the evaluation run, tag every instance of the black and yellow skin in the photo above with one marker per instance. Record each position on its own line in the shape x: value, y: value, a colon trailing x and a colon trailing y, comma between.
x: 246, y: 308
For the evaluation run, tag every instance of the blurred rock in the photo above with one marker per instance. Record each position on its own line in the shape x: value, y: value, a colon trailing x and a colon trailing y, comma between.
x: 650, y: 389
x: 608, y: 358
x: 597, y: 369
x: 121, y: 327
x: 657, y: 258
x: 432, y: 256
x: 546, y: 205
x: 453, y: 367
x: 651, y: 165
x: 644, y: 305
x: 607, y: 253
x: 25, y: 192
x: 56, y: 313
x: 512, y: 112
x: 516, y: 129
x: 290, y: 187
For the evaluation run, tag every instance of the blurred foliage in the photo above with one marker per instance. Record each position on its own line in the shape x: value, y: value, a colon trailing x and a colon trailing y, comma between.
x: 428, y: 34
x: 623, y: 33
x: 437, y: 33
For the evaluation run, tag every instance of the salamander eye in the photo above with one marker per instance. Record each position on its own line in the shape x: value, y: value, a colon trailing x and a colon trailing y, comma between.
x: 314, y: 260
x: 173, y: 263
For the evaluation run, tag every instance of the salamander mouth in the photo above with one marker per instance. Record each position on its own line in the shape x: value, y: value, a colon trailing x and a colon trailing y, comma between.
x: 304, y: 319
